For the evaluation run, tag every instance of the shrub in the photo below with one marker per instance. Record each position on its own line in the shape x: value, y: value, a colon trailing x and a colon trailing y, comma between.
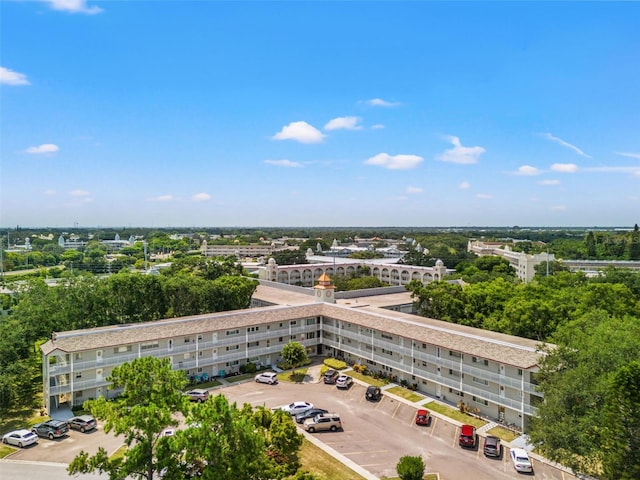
x: 335, y: 363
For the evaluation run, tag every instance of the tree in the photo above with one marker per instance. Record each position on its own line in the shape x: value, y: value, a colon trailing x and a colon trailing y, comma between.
x: 151, y: 393
x: 572, y: 426
x: 410, y: 468
x: 621, y: 460
x: 634, y: 245
x: 294, y: 354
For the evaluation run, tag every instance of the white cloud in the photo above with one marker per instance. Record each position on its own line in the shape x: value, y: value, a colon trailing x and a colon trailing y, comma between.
x: 484, y: 196
x: 300, y: 132
x: 378, y: 102
x: 414, y: 190
x: 79, y: 193
x: 73, y: 6
x: 394, y: 162
x: 460, y: 154
x: 44, y: 148
x: 559, y: 141
x: 629, y: 154
x: 564, y: 167
x: 50, y: 192
x: 343, y: 123
x: 528, y: 171
x: 201, y: 197
x: 559, y: 208
x: 464, y: 185
x: 377, y: 126
x: 9, y: 77
x: 160, y: 198
x: 549, y: 182
x: 283, y: 163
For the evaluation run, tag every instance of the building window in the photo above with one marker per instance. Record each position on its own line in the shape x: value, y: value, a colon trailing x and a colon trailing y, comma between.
x: 520, y: 372
x: 78, y: 356
x: 311, y: 321
x: 187, y: 340
x: 311, y: 335
x: 149, y: 346
x: 481, y: 381
x: 233, y: 332
x: 200, y: 337
x: 124, y: 349
x: 387, y: 352
x: 371, y: 362
x: 455, y: 354
x: 388, y: 337
x: 233, y: 347
x: 293, y: 322
x: 253, y: 344
x: 78, y: 374
x: 486, y: 363
x: 79, y: 394
x: 456, y: 392
x: 481, y: 401
x: 454, y: 373
x: 280, y: 339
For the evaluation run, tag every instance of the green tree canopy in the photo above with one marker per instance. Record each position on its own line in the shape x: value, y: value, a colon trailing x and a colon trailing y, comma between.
x: 294, y: 354
x: 410, y: 468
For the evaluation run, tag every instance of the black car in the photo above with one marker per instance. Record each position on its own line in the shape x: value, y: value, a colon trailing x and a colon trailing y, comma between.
x: 330, y: 376
x: 373, y: 393
x: 310, y: 413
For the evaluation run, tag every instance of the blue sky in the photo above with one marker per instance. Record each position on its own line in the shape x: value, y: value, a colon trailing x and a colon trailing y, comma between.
x: 206, y: 113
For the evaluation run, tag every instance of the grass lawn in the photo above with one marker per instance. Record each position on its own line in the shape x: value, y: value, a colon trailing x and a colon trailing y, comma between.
x: 320, y: 463
x: 6, y: 450
x: 293, y: 376
x: 503, y: 433
x: 455, y: 414
x: 239, y: 378
x: 427, y: 476
x: 405, y: 393
x: 367, y: 379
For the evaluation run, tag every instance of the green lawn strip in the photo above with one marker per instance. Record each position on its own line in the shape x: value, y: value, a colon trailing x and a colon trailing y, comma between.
x: 427, y: 476
x: 239, y: 378
x: 454, y: 413
x: 315, y: 460
x: 367, y: 379
x: 6, y: 450
x: 503, y: 433
x: 293, y: 376
x: 405, y: 393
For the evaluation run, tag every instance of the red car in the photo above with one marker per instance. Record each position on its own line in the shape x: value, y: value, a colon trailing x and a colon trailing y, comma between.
x: 423, y: 417
x: 468, y: 436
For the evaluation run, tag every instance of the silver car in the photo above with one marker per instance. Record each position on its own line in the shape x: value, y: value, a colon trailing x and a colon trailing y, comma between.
x: 20, y: 438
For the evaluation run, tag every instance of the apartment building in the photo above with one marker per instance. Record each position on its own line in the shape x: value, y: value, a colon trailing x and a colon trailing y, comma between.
x: 490, y: 372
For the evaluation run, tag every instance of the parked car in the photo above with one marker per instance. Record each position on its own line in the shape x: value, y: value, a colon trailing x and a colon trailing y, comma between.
x: 324, y: 421
x: 312, y: 412
x: 344, y: 381
x: 267, y: 377
x: 492, y: 447
x: 198, y: 395
x: 468, y: 437
x: 168, y: 432
x: 20, y: 438
x: 521, y: 460
x: 373, y: 394
x: 423, y: 417
x: 51, y: 429
x: 84, y: 423
x: 295, y: 407
x: 330, y: 376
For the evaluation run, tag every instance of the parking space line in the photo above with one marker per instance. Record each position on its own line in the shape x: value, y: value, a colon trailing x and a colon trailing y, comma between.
x: 394, y: 412
x: 433, y: 425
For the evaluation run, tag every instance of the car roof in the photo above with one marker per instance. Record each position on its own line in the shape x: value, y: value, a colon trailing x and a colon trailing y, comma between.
x: 519, y: 452
x: 22, y: 432
x: 467, y: 429
x: 422, y: 411
x: 83, y: 417
x: 491, y: 440
x: 198, y: 390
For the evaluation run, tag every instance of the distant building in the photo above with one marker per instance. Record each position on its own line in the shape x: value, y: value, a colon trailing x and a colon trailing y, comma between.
x: 523, y: 263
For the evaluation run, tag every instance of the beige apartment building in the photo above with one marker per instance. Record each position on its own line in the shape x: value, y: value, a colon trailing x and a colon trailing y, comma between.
x: 491, y: 372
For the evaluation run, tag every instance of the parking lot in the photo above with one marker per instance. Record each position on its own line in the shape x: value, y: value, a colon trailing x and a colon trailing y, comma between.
x: 374, y: 436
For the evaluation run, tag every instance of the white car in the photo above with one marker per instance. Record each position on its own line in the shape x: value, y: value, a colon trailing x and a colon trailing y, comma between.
x: 344, y: 381
x: 295, y: 407
x: 521, y: 461
x: 20, y: 438
x: 267, y: 377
